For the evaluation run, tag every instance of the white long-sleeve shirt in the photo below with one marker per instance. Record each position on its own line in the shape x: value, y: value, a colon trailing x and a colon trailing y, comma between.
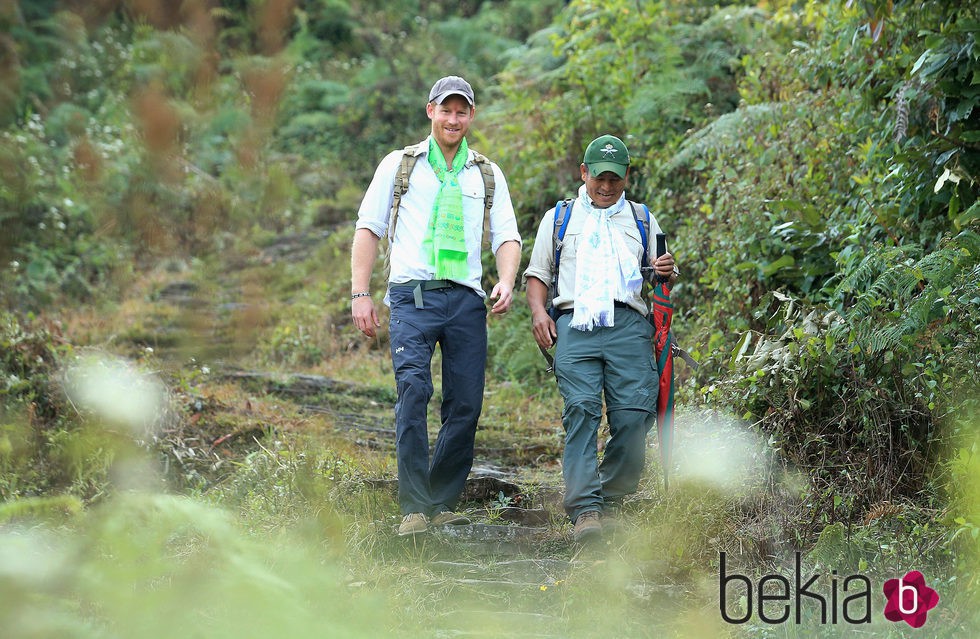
x: 415, y: 211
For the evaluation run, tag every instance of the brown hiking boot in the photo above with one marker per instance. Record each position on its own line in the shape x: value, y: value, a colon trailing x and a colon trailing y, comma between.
x: 413, y: 523
x: 612, y: 518
x: 448, y: 518
x: 587, y: 526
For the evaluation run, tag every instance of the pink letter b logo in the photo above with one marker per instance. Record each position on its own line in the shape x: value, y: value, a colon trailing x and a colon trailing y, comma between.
x: 909, y: 599
x: 903, y: 590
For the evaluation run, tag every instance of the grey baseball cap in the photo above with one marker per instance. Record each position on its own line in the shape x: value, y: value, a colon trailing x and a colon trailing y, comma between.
x: 451, y: 85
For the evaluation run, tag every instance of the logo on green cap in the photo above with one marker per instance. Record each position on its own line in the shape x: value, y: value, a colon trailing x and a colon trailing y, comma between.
x: 608, y: 151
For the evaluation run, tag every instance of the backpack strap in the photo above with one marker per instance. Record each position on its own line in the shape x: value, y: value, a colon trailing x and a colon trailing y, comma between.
x: 489, y: 185
x: 646, y: 268
x: 402, y: 175
x: 563, y: 210
x: 486, y: 171
x: 643, y: 226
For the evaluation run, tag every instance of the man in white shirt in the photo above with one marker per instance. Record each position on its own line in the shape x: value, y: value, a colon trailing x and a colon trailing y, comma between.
x: 435, y: 294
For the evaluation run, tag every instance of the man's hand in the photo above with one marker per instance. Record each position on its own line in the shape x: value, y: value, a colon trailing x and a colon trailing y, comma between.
x: 664, y: 266
x: 505, y: 297
x: 544, y: 329
x: 542, y: 326
x: 508, y: 258
x: 364, y: 316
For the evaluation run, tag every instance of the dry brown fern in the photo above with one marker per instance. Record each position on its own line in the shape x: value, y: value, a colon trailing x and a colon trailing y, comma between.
x: 880, y: 510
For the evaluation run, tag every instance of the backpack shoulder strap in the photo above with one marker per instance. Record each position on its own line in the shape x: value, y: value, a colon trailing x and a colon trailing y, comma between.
x: 402, y: 175
x: 486, y: 172
x: 563, y: 210
x: 643, y: 226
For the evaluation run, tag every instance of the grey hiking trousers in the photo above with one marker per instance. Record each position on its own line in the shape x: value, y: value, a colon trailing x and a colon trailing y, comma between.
x: 615, y: 364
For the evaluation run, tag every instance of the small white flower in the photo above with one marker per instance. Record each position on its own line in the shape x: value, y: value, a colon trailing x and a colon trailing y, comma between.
x: 68, y: 202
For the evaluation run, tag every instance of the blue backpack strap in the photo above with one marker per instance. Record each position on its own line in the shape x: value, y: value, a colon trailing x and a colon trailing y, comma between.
x: 559, y: 229
x: 563, y: 210
x: 643, y: 226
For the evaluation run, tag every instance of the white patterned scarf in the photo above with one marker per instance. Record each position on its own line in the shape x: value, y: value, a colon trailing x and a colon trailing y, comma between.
x: 606, y: 270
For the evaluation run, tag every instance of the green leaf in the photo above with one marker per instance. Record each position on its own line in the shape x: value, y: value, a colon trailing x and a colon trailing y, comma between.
x: 783, y: 262
x: 920, y: 61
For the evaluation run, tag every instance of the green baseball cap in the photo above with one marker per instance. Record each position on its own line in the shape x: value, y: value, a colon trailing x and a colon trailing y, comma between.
x: 607, y: 153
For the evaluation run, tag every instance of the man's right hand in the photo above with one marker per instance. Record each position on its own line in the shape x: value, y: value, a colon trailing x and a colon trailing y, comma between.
x: 364, y: 316
x: 544, y: 329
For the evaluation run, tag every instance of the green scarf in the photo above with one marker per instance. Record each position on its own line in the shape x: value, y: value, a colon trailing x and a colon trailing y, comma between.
x: 444, y: 245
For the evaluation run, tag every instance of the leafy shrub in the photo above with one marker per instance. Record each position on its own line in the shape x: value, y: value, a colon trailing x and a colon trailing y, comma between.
x: 29, y: 356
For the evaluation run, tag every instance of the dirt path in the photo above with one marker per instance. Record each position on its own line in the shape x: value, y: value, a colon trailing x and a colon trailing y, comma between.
x: 516, y: 562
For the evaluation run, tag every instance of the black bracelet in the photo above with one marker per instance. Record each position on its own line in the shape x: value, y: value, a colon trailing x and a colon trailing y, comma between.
x: 354, y: 296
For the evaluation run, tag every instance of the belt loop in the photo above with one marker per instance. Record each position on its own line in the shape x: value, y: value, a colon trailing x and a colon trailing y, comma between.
x: 417, y: 291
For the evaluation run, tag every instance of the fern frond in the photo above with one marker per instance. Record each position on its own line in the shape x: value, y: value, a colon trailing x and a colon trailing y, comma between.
x: 830, y: 546
x: 727, y: 131
x: 969, y: 240
x: 908, y: 295
x: 881, y: 510
x: 664, y: 98
x: 871, y: 267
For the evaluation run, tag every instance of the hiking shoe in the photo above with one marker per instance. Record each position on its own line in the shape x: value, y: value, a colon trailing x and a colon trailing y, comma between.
x: 448, y: 518
x: 587, y: 526
x: 413, y: 523
x: 612, y: 518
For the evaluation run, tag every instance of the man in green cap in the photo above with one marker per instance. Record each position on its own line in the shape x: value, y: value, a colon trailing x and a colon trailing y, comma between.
x: 599, y: 320
x: 434, y: 289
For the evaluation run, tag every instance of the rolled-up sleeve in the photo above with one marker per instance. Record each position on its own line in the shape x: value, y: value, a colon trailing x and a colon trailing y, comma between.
x: 376, y: 204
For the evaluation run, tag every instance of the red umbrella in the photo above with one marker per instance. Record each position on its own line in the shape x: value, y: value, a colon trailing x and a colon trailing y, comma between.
x: 663, y: 344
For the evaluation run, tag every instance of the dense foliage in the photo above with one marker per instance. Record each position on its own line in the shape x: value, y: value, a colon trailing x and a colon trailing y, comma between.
x: 816, y: 166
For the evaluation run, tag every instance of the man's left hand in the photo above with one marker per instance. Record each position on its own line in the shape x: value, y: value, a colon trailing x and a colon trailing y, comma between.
x: 505, y: 297
x: 664, y: 265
